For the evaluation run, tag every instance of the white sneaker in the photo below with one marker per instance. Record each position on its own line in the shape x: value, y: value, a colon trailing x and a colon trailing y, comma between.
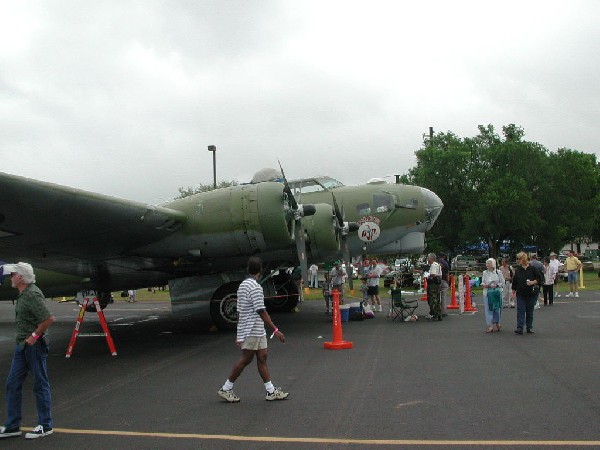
x: 577, y: 294
x: 4, y: 432
x: 228, y: 395
x: 570, y: 294
x: 557, y: 295
x: 37, y: 432
x: 277, y: 394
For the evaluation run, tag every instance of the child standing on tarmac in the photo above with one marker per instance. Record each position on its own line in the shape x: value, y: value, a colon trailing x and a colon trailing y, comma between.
x: 364, y: 290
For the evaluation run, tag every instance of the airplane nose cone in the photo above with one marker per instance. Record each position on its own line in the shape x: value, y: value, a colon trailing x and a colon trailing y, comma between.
x: 433, y: 205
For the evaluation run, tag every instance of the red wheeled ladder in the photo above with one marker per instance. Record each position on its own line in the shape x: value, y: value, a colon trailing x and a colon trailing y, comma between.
x: 76, y: 332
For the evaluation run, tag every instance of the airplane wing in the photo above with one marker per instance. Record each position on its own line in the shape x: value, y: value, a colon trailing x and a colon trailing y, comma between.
x: 199, y: 245
x: 68, y: 230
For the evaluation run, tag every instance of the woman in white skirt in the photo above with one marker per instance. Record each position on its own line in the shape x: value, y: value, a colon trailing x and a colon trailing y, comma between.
x: 492, y: 282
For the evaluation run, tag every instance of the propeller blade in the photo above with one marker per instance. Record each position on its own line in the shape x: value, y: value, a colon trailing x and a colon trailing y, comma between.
x: 338, y: 213
x: 287, y: 189
x: 299, y: 212
x: 348, y: 259
x: 344, y: 228
x: 301, y: 249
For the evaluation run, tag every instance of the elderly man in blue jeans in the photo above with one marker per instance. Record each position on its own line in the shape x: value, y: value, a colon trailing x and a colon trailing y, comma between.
x: 32, y: 320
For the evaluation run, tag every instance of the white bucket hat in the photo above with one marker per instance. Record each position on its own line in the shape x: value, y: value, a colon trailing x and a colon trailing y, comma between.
x: 23, y: 269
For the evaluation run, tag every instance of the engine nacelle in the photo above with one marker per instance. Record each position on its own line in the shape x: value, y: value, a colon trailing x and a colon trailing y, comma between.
x: 323, y: 241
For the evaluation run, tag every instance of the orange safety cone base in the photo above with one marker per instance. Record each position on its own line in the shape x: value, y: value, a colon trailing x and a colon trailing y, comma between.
x: 452, y: 307
x: 340, y: 345
x: 338, y: 342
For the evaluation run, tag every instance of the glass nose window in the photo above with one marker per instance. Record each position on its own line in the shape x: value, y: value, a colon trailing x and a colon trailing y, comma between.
x: 363, y: 209
x: 383, y: 203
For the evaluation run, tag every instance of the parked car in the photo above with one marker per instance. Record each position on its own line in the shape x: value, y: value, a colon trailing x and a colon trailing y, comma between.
x: 463, y: 262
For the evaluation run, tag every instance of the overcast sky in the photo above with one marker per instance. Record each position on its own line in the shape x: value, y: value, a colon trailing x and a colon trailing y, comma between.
x: 123, y: 97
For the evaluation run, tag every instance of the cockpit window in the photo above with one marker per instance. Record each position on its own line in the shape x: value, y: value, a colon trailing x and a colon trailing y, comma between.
x: 363, y: 209
x: 308, y: 185
x: 330, y: 183
x: 412, y: 203
x: 383, y: 203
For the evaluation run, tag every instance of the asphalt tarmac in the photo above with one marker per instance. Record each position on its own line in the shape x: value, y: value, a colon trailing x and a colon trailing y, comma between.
x: 427, y: 384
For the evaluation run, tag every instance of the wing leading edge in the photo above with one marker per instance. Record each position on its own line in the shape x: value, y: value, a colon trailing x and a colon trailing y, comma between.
x: 61, y: 228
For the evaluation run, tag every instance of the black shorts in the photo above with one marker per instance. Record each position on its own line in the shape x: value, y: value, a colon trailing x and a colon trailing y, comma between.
x: 372, y: 290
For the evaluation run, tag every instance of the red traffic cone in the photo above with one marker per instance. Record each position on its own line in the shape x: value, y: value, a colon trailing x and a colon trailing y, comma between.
x: 338, y: 342
x: 424, y: 297
x: 468, y: 304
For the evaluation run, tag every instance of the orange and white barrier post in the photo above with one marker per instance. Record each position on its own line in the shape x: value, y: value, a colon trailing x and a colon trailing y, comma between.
x: 453, y: 303
x: 468, y: 304
x: 338, y: 342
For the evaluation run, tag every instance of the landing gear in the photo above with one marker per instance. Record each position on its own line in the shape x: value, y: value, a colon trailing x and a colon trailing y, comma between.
x: 281, y: 295
x: 286, y: 294
x: 223, y: 307
x: 104, y: 298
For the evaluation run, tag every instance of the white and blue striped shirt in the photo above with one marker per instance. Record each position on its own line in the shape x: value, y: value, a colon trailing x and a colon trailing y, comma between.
x: 250, y: 300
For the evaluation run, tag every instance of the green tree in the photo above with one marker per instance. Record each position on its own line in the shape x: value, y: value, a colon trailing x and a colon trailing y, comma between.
x: 441, y: 168
x: 572, y: 210
x: 507, y: 176
x: 504, y: 189
x: 186, y: 192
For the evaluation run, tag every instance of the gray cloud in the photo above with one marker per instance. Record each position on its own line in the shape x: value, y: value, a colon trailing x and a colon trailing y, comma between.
x: 123, y: 97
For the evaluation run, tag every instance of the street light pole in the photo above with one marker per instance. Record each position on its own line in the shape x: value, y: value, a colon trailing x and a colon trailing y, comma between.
x: 213, y: 149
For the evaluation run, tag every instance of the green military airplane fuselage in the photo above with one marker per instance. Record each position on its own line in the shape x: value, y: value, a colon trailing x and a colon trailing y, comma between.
x: 198, y: 245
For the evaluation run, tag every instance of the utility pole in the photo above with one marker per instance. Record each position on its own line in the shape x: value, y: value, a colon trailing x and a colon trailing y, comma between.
x: 213, y: 149
x: 428, y: 139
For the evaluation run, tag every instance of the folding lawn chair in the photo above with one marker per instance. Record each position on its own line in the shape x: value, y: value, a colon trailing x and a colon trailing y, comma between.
x: 402, y: 307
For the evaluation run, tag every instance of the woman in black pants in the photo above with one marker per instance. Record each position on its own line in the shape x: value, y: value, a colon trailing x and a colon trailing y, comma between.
x: 526, y: 286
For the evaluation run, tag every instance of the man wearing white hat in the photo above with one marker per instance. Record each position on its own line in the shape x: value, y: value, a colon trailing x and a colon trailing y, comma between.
x: 32, y: 320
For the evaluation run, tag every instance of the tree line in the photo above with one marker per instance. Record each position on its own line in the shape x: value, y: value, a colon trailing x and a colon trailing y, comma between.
x: 504, y: 190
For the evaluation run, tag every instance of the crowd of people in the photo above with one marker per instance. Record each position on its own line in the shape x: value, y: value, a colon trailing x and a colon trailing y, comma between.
x: 502, y: 287
x: 526, y: 286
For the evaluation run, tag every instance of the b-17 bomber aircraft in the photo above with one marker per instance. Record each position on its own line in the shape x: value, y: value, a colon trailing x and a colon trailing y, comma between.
x: 199, y: 245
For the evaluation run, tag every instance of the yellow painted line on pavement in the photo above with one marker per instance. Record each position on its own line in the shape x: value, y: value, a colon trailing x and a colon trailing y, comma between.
x: 308, y: 440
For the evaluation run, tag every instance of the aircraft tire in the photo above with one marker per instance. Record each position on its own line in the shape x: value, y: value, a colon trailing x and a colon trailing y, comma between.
x: 104, y: 298
x: 223, y: 307
x: 287, y: 295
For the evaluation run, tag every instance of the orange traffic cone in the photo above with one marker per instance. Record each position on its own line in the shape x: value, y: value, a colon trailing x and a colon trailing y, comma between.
x: 468, y: 304
x: 424, y: 297
x: 453, y: 303
x: 338, y: 342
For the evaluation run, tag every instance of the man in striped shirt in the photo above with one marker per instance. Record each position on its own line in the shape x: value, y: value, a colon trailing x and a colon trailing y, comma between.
x: 251, y: 334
